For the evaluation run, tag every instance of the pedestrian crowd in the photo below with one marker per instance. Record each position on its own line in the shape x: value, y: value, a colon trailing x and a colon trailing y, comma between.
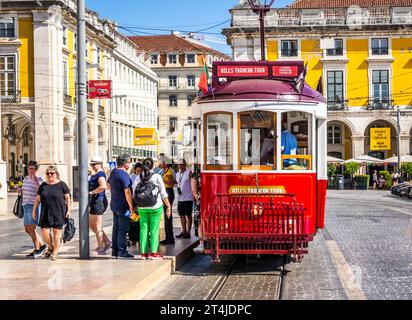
x: 140, y: 195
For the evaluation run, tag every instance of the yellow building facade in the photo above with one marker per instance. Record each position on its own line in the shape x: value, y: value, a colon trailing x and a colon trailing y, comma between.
x: 360, y: 58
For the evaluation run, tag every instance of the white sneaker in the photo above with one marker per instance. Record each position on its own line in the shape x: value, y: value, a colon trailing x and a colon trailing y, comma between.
x: 199, y: 249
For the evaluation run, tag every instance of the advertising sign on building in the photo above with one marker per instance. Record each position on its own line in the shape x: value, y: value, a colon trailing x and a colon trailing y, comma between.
x: 380, y: 139
x: 100, y: 89
x: 145, y: 136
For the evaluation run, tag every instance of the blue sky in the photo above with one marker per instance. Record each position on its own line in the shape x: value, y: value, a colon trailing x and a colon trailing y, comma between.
x: 181, y: 15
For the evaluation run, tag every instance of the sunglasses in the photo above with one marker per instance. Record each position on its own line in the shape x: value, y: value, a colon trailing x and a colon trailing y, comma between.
x: 50, y: 173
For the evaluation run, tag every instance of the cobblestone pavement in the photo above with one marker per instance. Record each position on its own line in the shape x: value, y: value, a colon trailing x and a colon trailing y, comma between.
x: 315, y: 277
x: 374, y: 233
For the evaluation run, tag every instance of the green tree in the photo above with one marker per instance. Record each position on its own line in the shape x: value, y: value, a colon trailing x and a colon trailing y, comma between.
x: 407, y: 169
x: 331, y: 169
x: 351, y: 168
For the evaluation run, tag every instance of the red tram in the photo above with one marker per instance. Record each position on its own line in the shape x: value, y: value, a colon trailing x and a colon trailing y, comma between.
x: 262, y: 150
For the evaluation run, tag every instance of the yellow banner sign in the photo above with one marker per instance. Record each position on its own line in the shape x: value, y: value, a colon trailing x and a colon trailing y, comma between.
x: 263, y: 189
x: 380, y: 139
x: 144, y: 137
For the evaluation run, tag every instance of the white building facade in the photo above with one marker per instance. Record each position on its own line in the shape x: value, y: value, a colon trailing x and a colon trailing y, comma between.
x: 38, y: 104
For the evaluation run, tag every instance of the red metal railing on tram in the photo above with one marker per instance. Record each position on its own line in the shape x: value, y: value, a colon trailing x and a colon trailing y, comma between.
x: 259, y: 223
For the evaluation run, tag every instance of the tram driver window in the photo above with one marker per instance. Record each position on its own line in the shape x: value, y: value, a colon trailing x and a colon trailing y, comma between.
x: 219, y: 142
x: 257, y: 140
x: 296, y: 144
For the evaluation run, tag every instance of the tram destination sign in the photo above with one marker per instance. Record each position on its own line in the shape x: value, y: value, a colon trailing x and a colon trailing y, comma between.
x: 242, y: 71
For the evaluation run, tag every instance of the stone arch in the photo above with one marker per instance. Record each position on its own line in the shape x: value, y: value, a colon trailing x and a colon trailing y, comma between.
x: 339, y: 140
x: 382, y: 123
x: 345, y: 121
x: 18, y: 151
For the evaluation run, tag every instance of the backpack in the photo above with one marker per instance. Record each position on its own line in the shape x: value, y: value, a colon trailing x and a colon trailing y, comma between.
x: 69, y: 230
x: 146, y: 193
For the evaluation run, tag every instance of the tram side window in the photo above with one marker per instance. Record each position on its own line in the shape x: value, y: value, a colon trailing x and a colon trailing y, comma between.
x: 257, y: 140
x: 219, y: 141
x: 296, y: 142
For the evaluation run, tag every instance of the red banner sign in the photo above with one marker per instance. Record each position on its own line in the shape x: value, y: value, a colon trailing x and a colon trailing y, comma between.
x: 285, y: 71
x: 100, y: 89
x: 242, y: 71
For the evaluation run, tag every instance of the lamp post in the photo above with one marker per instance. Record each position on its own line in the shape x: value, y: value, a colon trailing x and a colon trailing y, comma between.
x: 84, y: 243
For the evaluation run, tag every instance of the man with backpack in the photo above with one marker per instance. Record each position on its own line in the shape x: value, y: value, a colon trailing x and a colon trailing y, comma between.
x: 148, y: 192
x: 121, y: 203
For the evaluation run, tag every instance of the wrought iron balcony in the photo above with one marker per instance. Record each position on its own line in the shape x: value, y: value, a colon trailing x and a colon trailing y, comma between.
x: 341, y: 105
x: 10, y: 96
x: 380, y: 104
x: 67, y: 100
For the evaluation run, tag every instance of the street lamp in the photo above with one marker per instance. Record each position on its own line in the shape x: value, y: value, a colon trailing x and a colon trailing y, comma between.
x: 10, y: 132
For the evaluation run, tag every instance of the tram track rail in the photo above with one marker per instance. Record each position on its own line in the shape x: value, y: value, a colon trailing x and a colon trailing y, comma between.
x: 224, y: 282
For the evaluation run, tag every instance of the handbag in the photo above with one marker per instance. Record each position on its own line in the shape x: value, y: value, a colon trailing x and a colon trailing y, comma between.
x: 18, y: 207
x: 69, y: 230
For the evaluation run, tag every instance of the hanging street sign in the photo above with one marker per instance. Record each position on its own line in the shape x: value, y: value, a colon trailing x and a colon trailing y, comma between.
x: 144, y: 137
x: 100, y: 89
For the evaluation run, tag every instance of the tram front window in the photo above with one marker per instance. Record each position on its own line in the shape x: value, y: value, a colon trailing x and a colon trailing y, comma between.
x: 296, y: 142
x: 258, y: 140
x: 219, y: 141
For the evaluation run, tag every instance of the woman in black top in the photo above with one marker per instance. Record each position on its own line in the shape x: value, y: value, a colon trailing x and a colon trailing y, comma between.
x: 54, y: 196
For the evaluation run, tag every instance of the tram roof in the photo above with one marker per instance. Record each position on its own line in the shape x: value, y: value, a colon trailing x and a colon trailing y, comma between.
x: 259, y: 81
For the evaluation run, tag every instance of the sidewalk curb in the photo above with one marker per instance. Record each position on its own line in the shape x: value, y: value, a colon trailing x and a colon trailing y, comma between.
x: 143, y: 287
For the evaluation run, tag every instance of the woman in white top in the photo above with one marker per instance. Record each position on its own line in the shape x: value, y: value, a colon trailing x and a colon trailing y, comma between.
x: 184, y: 198
x: 150, y: 216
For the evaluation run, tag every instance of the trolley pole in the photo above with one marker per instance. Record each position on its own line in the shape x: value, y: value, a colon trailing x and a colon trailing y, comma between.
x: 399, y: 139
x: 262, y: 10
x: 82, y: 131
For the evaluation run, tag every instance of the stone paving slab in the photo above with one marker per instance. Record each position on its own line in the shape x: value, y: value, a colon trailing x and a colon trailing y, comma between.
x: 100, y: 278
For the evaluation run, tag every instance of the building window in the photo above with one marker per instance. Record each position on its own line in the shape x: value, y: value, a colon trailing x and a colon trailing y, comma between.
x: 172, y: 58
x: 190, y: 99
x: 26, y: 137
x: 172, y: 81
x: 173, y: 149
x: 334, y: 135
x: 65, y: 36
x: 191, y: 81
x: 380, y: 46
x: 172, y: 101
x: 338, y: 50
x: 289, y: 48
x: 172, y: 124
x: 154, y: 59
x: 7, y: 76
x: 335, y: 87
x: 65, y: 85
x: 7, y: 28
x: 98, y: 56
x: 380, y: 82
x: 75, y: 42
x: 190, y: 58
